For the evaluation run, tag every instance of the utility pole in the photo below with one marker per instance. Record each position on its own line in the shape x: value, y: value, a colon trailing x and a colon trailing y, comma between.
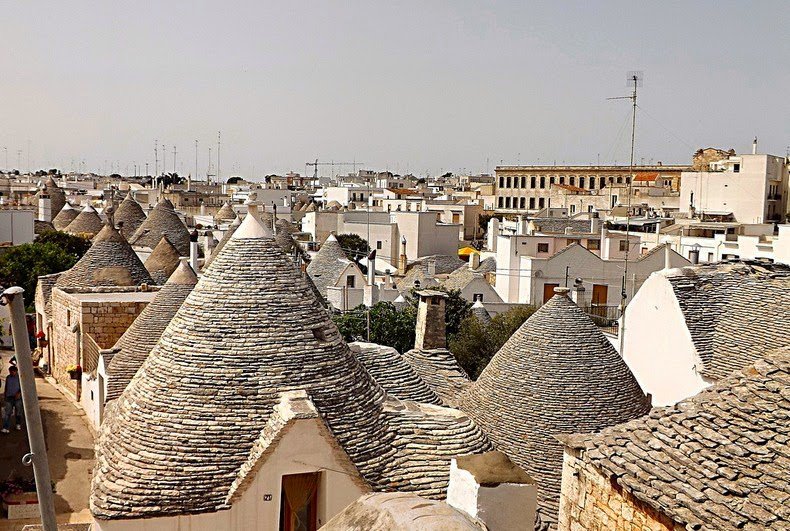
x: 35, y: 432
x: 174, y: 158
x: 146, y: 169
x: 196, y: 159
x: 156, y: 157
x: 219, y: 142
x: 164, y: 159
x: 208, y: 173
x: 6, y: 158
x: 634, y: 80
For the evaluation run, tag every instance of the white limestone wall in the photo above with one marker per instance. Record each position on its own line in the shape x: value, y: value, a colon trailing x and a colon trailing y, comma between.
x: 658, y: 347
x: 303, y: 448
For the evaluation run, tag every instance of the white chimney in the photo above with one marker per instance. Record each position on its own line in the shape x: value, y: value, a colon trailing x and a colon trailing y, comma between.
x: 754, y: 146
x: 431, y: 269
x: 578, y: 293
x: 667, y: 256
x: 474, y: 260
x: 491, y: 488
x: 44, y: 206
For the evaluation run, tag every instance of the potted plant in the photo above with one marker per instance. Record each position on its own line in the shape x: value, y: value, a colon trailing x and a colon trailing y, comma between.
x: 19, y: 498
x: 75, y: 371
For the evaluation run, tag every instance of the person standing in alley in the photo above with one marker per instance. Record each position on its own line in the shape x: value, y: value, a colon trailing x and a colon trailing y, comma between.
x: 12, y: 395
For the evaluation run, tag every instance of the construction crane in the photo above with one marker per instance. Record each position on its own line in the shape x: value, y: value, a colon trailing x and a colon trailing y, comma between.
x: 316, y: 164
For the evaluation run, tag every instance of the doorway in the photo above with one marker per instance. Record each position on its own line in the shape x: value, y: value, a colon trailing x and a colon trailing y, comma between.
x: 600, y: 294
x: 299, y: 502
x: 548, y: 291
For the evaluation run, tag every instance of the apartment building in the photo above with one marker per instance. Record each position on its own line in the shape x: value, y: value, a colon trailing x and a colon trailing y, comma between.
x: 744, y: 188
x: 532, y: 188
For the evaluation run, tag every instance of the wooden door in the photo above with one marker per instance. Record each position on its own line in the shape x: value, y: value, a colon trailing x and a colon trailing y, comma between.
x: 600, y: 294
x: 548, y: 291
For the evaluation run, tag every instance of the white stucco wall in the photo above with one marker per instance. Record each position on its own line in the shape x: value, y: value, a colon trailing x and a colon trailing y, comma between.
x: 658, y: 347
x: 304, y: 448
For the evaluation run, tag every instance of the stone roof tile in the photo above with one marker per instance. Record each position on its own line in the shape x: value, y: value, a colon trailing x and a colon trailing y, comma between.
x: 718, y: 460
x: 163, y: 219
x: 87, y: 223
x: 162, y: 261
x: 129, y: 216
x: 66, y: 215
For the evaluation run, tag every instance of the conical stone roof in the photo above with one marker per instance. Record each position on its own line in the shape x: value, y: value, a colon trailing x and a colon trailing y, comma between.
x: 129, y: 216
x: 66, y: 215
x: 110, y: 261
x: 136, y: 343
x: 162, y: 261
x: 226, y: 213
x: 556, y: 375
x: 251, y: 329
x: 480, y: 312
x: 57, y: 198
x: 327, y: 264
x: 284, y: 235
x: 87, y: 223
x: 162, y: 220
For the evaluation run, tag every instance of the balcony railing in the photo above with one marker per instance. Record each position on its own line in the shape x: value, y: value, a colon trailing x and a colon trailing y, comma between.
x: 605, y: 317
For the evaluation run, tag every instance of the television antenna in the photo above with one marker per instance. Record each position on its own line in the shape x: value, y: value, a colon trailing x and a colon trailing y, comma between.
x: 634, y: 80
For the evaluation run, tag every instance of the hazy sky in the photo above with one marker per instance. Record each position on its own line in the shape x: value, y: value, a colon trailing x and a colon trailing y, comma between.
x: 418, y: 86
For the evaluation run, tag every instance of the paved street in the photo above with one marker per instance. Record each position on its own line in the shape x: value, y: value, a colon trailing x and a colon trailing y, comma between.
x: 70, y: 451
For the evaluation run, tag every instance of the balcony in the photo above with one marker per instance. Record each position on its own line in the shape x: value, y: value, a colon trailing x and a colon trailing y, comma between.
x: 605, y: 317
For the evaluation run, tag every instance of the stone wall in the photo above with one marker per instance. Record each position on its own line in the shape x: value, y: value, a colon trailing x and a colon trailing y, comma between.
x: 105, y: 321
x: 591, y: 502
x: 65, y: 313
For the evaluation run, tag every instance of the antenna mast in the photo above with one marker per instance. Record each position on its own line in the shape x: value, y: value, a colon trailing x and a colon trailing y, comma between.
x: 156, y: 157
x: 634, y: 80
x: 219, y: 142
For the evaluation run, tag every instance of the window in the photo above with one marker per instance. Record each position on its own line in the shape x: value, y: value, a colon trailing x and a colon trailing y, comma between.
x: 477, y: 297
x: 299, y: 502
x: 543, y: 181
x: 602, y: 182
x: 594, y: 245
x: 501, y: 202
x: 551, y: 180
x: 417, y: 284
x: 619, y: 180
x: 532, y: 203
x: 68, y: 317
x: 501, y: 182
x: 508, y: 183
x: 523, y: 181
x: 378, y: 244
x: 589, y: 208
x: 562, y: 179
x: 581, y: 182
x: 350, y: 280
x: 521, y: 202
x: 592, y: 183
x: 532, y: 182
x: 456, y: 218
x: 628, y: 180
x: 573, y: 209
x: 507, y: 202
x: 623, y: 245
x: 569, y: 241
x: 572, y: 180
x: 541, y: 202
x: 543, y: 247
x: 736, y: 168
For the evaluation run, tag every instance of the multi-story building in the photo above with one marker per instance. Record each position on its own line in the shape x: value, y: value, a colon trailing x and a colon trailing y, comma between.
x: 746, y: 188
x: 532, y: 188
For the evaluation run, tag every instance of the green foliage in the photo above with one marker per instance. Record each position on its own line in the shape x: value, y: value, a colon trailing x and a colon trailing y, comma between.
x: 388, y: 325
x: 23, y: 264
x: 475, y: 344
x: 75, y: 245
x: 355, y: 246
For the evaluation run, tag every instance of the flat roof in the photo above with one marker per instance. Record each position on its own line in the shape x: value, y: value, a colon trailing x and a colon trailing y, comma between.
x: 117, y: 296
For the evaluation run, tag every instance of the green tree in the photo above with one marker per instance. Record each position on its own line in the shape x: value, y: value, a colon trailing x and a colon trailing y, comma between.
x: 75, y: 245
x: 388, y: 325
x: 475, y: 344
x: 456, y: 308
x: 355, y: 246
x: 23, y: 264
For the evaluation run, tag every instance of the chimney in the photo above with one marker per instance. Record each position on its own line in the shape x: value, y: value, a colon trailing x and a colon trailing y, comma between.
x: 372, y: 268
x: 44, y: 205
x: 520, y: 229
x: 402, y: 258
x: 494, y: 490
x: 604, y: 242
x: 193, y: 250
x: 388, y: 279
x: 694, y: 254
x: 474, y: 260
x: 431, y: 330
x: 202, y: 209
x: 577, y: 294
x: 274, y: 218
x: 595, y: 223
x: 667, y: 256
x: 493, y: 233
x: 754, y: 146
x: 430, y: 269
